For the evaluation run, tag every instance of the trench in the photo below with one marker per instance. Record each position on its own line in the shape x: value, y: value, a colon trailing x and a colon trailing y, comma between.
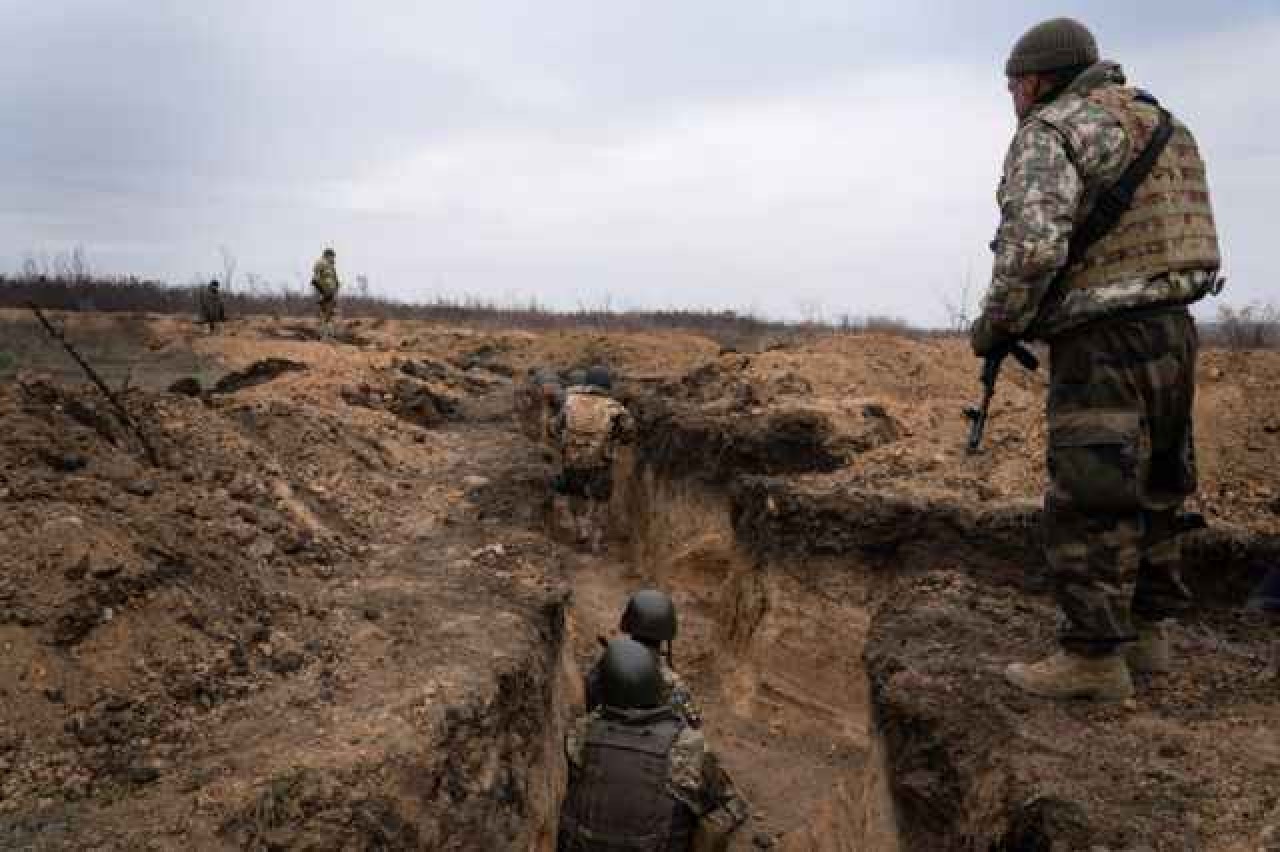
x: 772, y: 650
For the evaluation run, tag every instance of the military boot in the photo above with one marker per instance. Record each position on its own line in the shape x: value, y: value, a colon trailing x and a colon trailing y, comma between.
x: 1068, y: 675
x: 1151, y: 654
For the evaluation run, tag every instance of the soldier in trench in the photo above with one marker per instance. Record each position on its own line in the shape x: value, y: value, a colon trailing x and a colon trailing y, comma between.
x: 539, y: 399
x: 1109, y: 294
x: 650, y: 619
x: 640, y: 778
x: 589, y: 429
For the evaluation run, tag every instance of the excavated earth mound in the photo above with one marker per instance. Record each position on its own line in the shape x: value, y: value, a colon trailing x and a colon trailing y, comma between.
x: 297, y: 631
x: 1192, y: 763
x: 332, y: 617
x: 949, y: 544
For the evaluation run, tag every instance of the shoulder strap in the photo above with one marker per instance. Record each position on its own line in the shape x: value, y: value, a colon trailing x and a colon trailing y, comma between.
x: 1115, y: 200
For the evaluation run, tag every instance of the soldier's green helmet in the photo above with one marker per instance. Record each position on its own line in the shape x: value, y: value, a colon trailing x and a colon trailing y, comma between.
x: 1050, y: 46
x: 598, y: 376
x: 630, y: 676
x: 650, y: 615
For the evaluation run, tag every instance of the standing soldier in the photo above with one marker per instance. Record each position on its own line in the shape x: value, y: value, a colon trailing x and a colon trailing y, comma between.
x: 212, y: 310
x: 1106, y: 235
x: 324, y: 279
x: 650, y: 619
x: 589, y: 428
x: 641, y: 779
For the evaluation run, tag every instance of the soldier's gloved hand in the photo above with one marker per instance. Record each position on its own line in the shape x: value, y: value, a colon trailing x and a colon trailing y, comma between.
x: 985, y: 337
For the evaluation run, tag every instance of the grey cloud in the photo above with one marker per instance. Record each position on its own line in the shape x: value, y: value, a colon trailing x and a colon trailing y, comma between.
x: 725, y: 154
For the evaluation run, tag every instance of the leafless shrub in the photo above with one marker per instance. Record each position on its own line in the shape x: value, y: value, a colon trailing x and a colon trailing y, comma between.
x: 957, y: 308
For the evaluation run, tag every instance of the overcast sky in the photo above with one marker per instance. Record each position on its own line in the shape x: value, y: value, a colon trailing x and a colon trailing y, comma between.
x: 780, y: 156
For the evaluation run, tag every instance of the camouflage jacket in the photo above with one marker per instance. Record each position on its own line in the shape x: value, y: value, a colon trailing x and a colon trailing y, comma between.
x: 676, y: 692
x: 1063, y: 155
x: 694, y: 775
x: 324, y: 278
x: 589, y: 427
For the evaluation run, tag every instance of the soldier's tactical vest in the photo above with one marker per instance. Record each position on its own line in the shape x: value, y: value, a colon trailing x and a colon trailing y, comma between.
x: 324, y: 278
x: 619, y: 799
x: 588, y: 429
x: 1169, y: 227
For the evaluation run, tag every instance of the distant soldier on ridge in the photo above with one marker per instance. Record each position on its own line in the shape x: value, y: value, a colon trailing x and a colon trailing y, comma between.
x: 1106, y: 236
x: 324, y: 280
x: 212, y: 311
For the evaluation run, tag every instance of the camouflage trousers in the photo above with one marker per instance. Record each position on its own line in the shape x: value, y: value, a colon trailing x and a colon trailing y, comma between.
x: 1121, y: 461
x: 327, y: 305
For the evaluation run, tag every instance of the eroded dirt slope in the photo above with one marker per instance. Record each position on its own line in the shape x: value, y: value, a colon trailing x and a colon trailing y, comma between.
x: 314, y: 623
x: 333, y: 616
x: 942, y: 548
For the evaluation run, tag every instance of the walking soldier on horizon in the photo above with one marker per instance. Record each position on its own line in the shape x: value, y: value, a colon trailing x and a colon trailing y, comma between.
x: 324, y: 280
x: 1106, y: 235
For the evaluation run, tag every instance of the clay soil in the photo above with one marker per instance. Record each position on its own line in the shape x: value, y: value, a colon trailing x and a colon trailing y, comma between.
x: 337, y: 614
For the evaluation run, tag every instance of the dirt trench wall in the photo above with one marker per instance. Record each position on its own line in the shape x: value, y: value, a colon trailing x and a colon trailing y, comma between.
x: 773, y: 652
x: 1000, y: 542
x: 946, y: 594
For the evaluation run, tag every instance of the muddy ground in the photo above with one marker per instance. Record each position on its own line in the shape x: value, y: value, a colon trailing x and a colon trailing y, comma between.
x: 335, y: 614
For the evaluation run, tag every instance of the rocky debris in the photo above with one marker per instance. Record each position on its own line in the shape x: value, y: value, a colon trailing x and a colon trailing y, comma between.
x: 343, y: 333
x: 407, y: 398
x: 188, y: 386
x: 63, y: 461
x: 977, y: 765
x: 473, y: 378
x: 257, y: 373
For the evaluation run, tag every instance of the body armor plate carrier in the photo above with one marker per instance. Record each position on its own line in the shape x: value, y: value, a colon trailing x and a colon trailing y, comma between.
x: 619, y: 801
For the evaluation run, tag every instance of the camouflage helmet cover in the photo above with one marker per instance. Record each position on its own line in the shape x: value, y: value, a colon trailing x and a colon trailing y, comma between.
x: 630, y: 675
x: 649, y: 615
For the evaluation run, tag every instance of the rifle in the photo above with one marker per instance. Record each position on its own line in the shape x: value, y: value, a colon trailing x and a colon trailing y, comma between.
x: 990, y: 372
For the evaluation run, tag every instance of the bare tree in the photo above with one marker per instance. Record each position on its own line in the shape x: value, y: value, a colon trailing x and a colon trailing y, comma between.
x: 1253, y: 326
x: 958, y: 311
x: 34, y: 267
x: 257, y: 285
x: 812, y: 311
x: 228, y: 267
